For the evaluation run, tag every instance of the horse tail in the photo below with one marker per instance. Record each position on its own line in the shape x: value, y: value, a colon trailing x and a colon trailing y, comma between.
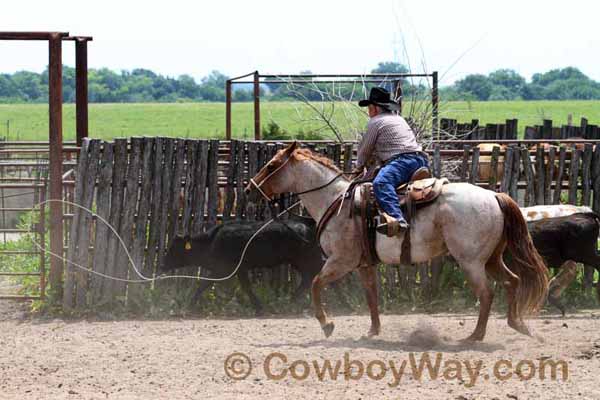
x: 526, y: 263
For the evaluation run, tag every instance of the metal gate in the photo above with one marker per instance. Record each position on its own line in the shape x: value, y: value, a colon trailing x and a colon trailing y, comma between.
x: 23, y: 185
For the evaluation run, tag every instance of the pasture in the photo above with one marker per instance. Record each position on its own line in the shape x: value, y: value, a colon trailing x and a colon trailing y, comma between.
x: 206, y: 120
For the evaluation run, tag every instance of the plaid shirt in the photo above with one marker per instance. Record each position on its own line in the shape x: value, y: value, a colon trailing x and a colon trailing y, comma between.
x: 387, y: 135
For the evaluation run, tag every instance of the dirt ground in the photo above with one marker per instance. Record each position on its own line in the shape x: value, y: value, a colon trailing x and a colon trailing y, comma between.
x: 184, y: 359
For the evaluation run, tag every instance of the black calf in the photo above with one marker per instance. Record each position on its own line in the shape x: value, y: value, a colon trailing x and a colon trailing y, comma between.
x: 562, y: 239
x: 219, y: 251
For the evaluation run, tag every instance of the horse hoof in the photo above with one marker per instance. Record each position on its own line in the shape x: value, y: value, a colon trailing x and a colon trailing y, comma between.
x: 328, y: 329
x: 373, y: 332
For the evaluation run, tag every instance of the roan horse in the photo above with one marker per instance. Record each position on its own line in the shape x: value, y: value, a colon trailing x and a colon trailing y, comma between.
x: 472, y: 224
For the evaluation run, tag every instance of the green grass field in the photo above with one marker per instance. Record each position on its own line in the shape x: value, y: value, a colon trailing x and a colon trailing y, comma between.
x: 207, y: 120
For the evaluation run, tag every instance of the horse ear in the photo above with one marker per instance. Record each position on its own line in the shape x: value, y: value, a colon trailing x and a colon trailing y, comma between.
x: 290, y: 149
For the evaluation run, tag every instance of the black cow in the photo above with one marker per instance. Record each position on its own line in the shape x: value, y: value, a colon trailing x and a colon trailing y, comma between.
x: 570, y: 239
x: 218, y: 250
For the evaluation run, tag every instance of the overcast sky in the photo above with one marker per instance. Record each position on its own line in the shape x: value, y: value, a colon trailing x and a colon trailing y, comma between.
x: 176, y: 37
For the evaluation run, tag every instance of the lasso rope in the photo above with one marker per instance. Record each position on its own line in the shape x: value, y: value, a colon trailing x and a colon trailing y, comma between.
x: 145, y: 279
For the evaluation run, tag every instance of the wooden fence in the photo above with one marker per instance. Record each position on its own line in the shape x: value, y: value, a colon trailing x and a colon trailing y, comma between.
x: 152, y: 188
x: 473, y: 130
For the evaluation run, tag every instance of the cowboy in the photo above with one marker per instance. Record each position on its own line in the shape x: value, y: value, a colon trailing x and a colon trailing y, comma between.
x: 390, y: 142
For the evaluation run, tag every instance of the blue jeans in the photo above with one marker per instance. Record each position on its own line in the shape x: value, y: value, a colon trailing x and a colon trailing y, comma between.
x: 393, y: 174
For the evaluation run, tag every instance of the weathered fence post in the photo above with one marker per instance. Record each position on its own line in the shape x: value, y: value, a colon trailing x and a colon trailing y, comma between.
x: 157, y: 202
x: 474, y: 166
x: 200, y: 179
x: 529, y: 178
x: 116, y: 206
x: 516, y: 172
x: 493, y: 179
x: 549, y: 175
x: 586, y: 174
x: 213, y: 183
x: 103, y: 210
x: 540, y: 175
x: 465, y: 163
x: 508, y: 162
x: 562, y: 155
x: 573, y: 175
x: 437, y: 162
x: 596, y: 179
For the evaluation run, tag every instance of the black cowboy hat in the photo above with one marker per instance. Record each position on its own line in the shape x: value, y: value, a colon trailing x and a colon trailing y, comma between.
x: 380, y: 97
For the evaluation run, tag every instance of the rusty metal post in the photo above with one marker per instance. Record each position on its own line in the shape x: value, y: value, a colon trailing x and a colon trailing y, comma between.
x: 55, y: 156
x: 42, y: 240
x: 81, y: 90
x: 435, y: 102
x: 256, y: 106
x: 228, y: 109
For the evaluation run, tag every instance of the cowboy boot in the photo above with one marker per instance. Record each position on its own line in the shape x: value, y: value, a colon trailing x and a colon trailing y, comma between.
x: 391, y: 226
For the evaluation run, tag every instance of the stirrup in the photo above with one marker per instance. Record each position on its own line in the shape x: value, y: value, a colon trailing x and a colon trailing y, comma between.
x: 391, y: 227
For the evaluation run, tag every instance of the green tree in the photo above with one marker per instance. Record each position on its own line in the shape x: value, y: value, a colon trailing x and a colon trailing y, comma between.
x: 476, y: 84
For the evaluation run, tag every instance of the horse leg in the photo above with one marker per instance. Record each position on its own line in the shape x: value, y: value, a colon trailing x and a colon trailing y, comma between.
x: 333, y: 270
x: 199, y: 290
x: 566, y: 275
x: 304, y: 285
x: 368, y: 277
x: 476, y: 277
x: 496, y: 268
x: 511, y: 285
x: 245, y: 284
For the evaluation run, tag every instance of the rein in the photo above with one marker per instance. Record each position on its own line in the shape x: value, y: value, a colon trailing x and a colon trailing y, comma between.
x: 258, y: 185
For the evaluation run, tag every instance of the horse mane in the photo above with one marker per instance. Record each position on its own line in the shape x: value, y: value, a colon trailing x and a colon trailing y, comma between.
x: 300, y: 154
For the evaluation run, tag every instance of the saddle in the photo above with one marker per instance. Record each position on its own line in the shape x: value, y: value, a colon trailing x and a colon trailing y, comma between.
x: 421, y: 191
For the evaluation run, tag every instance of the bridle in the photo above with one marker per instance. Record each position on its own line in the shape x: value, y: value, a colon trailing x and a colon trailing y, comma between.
x: 257, y: 186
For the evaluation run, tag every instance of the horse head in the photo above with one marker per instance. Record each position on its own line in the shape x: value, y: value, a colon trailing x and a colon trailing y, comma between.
x: 274, y: 178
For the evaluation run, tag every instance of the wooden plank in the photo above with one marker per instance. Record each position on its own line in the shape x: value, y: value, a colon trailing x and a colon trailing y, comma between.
x: 240, y: 196
x: 465, y: 163
x: 549, y: 175
x: 586, y: 174
x: 348, y: 155
x: 190, y: 185
x: 116, y: 206
x: 513, y: 190
x: 596, y: 179
x: 144, y: 209
x: 474, y: 175
x: 547, y: 129
x: 562, y: 156
x: 529, y: 177
x: 493, y: 178
x: 155, y: 212
x: 437, y: 162
x: 103, y: 197
x: 231, y: 172
x: 130, y: 199
x: 261, y: 160
x: 253, y: 150
x: 201, y: 178
x: 507, y: 177
x: 165, y: 205
x: 540, y: 175
x: 213, y: 159
x: 573, y: 175
x: 69, y: 271
x: 176, y: 189
x: 85, y: 224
